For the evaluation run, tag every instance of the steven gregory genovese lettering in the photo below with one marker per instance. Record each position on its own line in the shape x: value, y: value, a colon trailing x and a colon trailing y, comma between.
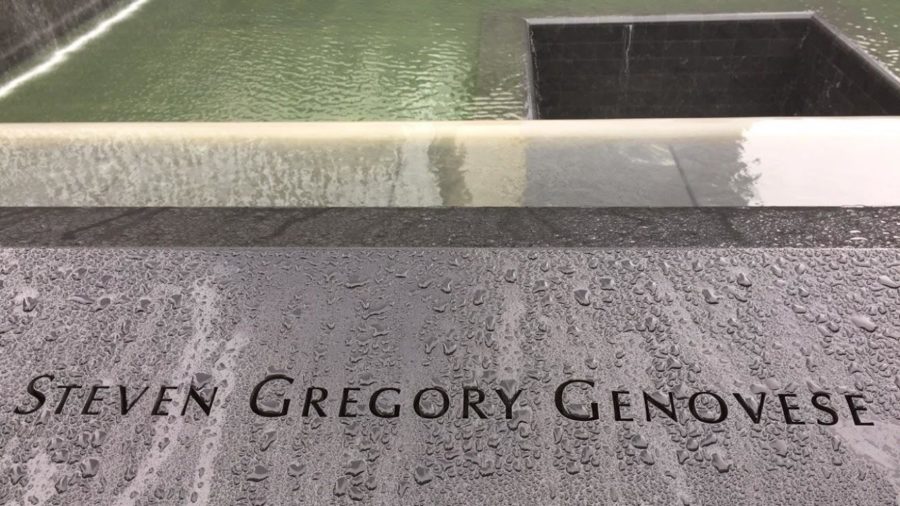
x: 384, y: 402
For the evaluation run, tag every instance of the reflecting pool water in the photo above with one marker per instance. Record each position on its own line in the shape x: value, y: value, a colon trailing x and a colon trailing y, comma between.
x: 289, y: 60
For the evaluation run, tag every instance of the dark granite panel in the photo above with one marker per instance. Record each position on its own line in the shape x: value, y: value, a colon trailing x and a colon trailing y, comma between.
x: 836, y: 79
x: 704, y: 67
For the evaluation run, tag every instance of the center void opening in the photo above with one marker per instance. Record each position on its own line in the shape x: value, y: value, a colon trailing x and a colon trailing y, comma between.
x: 745, y: 65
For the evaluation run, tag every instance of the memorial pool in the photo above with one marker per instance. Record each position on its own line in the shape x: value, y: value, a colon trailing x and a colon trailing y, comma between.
x: 277, y: 60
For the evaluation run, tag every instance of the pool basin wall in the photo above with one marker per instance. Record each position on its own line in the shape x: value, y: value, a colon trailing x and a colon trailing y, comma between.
x: 742, y: 65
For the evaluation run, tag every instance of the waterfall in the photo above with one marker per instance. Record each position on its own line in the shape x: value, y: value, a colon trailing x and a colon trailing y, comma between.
x: 630, y: 34
x: 59, y: 55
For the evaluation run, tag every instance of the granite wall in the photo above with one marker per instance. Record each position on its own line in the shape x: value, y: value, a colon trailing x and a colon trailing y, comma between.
x: 836, y: 80
x: 27, y: 26
x: 706, y: 66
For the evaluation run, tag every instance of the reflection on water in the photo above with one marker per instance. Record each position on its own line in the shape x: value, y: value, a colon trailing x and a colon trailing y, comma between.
x: 788, y: 165
x: 216, y: 60
x: 446, y: 159
x: 715, y: 170
x: 803, y: 162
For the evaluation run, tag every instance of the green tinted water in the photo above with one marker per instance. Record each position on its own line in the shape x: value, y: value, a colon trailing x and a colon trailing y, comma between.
x: 304, y: 60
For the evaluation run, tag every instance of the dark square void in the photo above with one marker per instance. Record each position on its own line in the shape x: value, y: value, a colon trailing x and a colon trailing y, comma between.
x: 702, y: 66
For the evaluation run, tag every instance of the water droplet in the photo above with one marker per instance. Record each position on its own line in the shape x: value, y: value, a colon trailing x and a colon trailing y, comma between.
x: 583, y: 297
x: 710, y: 296
x: 639, y: 442
x: 864, y: 322
x: 259, y: 473
x: 423, y: 475
x: 89, y: 467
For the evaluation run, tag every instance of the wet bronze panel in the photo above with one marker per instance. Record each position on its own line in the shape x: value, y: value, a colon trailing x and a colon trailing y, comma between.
x: 786, y: 323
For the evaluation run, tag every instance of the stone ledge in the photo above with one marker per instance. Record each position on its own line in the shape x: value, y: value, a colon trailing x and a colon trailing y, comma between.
x: 451, y: 227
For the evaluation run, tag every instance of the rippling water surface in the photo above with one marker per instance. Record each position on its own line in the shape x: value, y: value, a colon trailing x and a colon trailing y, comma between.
x: 305, y: 60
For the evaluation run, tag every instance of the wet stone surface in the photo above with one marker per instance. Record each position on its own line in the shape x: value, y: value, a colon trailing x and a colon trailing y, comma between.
x: 774, y: 321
